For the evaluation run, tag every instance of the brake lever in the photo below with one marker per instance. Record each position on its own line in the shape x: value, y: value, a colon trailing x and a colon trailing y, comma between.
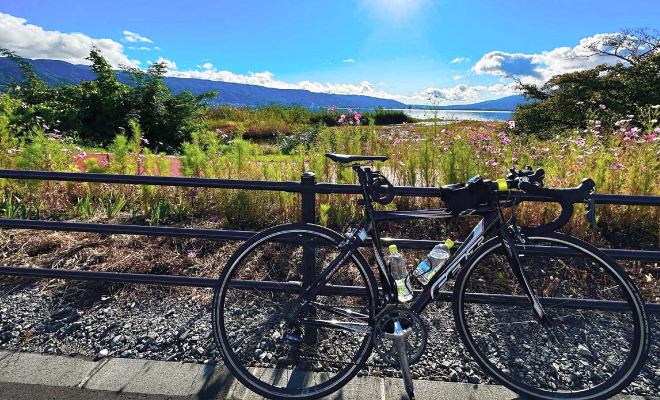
x: 591, y: 214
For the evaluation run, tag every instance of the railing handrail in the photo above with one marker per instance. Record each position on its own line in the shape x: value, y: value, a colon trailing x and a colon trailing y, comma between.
x: 287, y: 186
x: 308, y: 189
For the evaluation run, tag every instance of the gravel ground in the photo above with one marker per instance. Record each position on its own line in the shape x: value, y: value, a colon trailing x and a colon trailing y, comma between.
x: 176, y: 326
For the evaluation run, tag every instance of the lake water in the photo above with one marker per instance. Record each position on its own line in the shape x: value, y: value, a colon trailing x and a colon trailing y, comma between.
x: 477, y: 115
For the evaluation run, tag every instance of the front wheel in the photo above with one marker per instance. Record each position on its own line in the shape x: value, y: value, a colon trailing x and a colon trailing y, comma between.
x: 266, y: 343
x: 598, y: 335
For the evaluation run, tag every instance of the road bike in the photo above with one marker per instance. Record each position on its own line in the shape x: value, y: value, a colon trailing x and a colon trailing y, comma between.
x: 298, y: 310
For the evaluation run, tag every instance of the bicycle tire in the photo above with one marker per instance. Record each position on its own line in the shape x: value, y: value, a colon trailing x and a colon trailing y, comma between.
x: 290, y: 371
x: 565, y: 359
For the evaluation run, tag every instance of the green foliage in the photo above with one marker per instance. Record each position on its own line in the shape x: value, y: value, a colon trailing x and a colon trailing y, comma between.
x: 14, y: 208
x: 606, y: 94
x: 84, y: 207
x: 160, y: 210
x: 113, y: 205
x: 96, y: 111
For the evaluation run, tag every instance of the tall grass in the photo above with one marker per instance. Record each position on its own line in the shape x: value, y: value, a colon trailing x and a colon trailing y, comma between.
x: 624, y: 161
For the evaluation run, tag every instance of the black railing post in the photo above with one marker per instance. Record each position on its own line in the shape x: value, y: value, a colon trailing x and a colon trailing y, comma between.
x: 308, y: 216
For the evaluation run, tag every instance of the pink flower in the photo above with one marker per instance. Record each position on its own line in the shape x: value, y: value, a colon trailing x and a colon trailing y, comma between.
x: 545, y: 149
x: 617, y: 166
x: 602, y: 106
x: 650, y: 137
x: 580, y: 163
x: 535, y: 156
x: 627, y: 139
x: 617, y: 154
x: 514, y: 159
x: 401, y: 163
x: 579, y: 102
x: 307, y: 161
x: 214, y: 218
x: 512, y: 124
x: 192, y: 254
x: 350, y: 122
x: 219, y: 153
x: 644, y: 168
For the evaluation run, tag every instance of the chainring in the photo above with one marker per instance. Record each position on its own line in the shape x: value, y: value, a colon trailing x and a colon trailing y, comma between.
x: 416, y: 342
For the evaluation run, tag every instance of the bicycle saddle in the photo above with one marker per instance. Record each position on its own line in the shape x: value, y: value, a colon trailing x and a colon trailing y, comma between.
x: 345, y: 159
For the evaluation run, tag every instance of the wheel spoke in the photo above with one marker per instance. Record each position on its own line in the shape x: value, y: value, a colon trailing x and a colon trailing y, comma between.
x: 580, y: 350
x: 305, y: 351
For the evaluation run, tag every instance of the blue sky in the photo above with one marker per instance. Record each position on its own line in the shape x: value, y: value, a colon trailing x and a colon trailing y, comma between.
x: 466, y: 50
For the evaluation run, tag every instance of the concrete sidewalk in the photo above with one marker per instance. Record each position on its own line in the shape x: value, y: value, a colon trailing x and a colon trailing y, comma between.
x: 33, y: 376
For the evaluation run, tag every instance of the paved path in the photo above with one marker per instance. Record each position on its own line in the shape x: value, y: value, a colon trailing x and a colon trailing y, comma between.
x: 30, y: 376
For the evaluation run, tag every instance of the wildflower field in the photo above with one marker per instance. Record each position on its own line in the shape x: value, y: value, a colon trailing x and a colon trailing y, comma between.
x: 625, y: 160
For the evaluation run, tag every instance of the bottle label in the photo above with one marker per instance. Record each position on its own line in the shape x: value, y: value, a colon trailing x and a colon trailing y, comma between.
x: 423, y: 267
x: 402, y: 286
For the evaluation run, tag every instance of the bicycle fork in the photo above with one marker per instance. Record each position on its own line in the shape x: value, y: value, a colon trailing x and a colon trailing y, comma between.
x: 514, y: 261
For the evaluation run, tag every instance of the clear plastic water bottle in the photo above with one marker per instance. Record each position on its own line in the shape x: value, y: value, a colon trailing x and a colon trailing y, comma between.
x: 433, y: 261
x: 400, y: 275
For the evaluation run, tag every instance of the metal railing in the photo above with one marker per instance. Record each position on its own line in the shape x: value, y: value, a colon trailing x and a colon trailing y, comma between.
x: 307, y: 187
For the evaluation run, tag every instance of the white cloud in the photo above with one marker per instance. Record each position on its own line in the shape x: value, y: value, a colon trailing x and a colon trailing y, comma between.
x: 457, y: 77
x: 380, y: 84
x: 265, y: 79
x: 538, y: 68
x: 134, y: 37
x: 144, y: 48
x: 31, y: 41
x: 463, y: 92
x: 459, y: 60
x: 350, y: 60
x: 168, y: 64
x: 156, y: 48
x: 131, y: 47
x: 207, y: 65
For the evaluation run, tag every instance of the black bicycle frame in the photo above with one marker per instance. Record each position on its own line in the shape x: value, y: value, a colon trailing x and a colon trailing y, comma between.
x: 493, y: 221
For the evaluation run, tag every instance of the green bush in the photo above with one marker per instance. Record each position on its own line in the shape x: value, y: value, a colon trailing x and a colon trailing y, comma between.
x: 96, y: 111
x: 605, y: 94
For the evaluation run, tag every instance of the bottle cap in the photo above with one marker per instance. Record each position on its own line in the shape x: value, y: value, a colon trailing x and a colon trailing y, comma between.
x: 449, y: 243
x: 392, y: 248
x: 501, y: 185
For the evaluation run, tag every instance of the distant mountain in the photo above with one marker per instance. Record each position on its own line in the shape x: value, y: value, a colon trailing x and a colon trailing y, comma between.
x: 56, y: 72
x: 508, y: 103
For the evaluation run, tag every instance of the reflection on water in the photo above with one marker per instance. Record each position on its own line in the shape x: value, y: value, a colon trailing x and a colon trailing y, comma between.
x: 475, y: 115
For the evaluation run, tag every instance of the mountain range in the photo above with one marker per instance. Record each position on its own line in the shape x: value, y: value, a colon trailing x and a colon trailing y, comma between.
x: 55, y: 72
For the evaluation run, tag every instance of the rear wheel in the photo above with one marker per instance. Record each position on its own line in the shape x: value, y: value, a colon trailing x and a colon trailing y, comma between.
x: 598, y: 337
x: 268, y: 346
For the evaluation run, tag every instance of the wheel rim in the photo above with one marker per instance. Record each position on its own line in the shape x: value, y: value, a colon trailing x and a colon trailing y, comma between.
x: 582, y: 354
x: 277, y: 354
